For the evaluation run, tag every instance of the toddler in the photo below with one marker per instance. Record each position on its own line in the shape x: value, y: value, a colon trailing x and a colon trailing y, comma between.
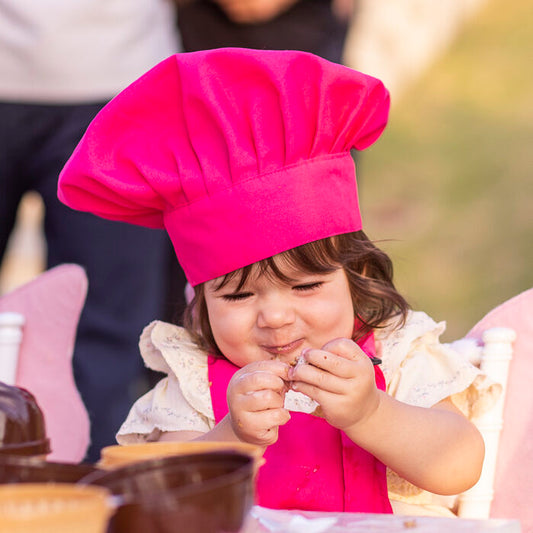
x: 244, y: 157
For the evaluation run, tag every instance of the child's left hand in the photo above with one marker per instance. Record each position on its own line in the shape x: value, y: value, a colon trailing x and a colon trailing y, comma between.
x: 340, y: 377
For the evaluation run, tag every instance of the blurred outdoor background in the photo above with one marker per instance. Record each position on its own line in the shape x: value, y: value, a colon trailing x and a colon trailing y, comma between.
x: 451, y: 180
x: 448, y: 188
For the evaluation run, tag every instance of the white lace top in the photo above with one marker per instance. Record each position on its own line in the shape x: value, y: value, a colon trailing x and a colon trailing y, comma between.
x: 418, y: 369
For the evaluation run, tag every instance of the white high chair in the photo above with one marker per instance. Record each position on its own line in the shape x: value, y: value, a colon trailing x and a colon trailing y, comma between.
x: 11, y: 330
x: 494, y: 358
x: 503, y: 345
x: 38, y: 323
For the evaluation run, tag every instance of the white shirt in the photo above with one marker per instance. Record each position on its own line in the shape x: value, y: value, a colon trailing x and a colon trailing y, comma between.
x: 80, y: 51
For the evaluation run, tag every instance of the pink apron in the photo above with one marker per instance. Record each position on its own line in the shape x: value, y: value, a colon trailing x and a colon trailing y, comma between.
x: 312, y: 466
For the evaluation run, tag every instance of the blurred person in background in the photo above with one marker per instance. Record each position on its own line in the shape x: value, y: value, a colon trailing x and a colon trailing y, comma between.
x: 317, y: 26
x: 61, y: 61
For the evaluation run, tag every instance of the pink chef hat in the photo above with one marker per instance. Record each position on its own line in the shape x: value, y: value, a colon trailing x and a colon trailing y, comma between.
x: 240, y: 154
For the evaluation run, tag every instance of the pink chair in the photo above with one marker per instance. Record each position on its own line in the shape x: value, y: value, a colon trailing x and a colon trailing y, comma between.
x: 50, y: 307
x: 509, y: 461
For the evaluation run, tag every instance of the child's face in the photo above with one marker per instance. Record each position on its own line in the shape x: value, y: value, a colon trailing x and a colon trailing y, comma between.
x: 268, y: 318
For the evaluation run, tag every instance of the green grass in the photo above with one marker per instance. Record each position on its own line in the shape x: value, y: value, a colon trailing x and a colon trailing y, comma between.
x: 450, y: 183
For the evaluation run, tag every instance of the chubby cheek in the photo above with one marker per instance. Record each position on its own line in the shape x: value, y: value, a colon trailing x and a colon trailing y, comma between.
x: 341, y: 326
x: 331, y: 319
x: 230, y: 333
x: 236, y: 352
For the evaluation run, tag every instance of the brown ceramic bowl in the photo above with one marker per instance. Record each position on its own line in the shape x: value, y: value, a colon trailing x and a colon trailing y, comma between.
x: 206, y: 492
x: 18, y: 469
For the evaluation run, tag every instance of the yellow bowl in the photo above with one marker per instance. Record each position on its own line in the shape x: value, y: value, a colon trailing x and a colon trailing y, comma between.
x: 116, y: 456
x: 54, y: 508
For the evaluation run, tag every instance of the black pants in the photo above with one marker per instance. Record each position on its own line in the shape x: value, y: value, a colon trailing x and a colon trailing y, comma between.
x: 124, y: 263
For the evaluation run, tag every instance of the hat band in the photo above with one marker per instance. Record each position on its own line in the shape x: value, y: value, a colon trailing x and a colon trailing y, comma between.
x: 264, y: 216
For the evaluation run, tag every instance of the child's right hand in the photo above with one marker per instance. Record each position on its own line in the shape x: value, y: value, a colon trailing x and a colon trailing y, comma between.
x: 256, y: 394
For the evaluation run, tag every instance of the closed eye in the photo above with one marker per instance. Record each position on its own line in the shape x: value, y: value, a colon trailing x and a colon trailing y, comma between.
x: 234, y: 297
x: 308, y: 286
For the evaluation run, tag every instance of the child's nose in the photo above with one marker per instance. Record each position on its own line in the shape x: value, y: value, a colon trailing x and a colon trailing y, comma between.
x: 275, y: 313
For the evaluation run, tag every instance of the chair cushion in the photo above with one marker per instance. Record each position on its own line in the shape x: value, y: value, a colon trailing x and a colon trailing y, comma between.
x: 51, y: 304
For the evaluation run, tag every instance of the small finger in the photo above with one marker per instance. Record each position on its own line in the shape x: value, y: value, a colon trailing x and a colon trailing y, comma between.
x: 274, y: 366
x: 262, y: 423
x: 250, y: 379
x: 346, y: 348
x: 261, y: 400
x: 329, y: 362
x: 319, y: 378
x: 317, y: 394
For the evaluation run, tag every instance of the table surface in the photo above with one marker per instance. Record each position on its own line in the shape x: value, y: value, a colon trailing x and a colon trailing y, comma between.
x: 262, y: 520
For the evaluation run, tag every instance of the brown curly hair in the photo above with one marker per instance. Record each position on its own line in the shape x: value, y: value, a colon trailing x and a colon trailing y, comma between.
x: 368, y: 269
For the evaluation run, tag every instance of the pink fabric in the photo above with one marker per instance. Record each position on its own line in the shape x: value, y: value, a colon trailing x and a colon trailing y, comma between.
x: 514, y: 470
x: 312, y: 466
x: 239, y: 154
x: 51, y: 305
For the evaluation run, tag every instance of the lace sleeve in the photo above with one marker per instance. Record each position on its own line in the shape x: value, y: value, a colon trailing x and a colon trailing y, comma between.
x: 164, y: 408
x: 422, y: 371
x: 179, y: 402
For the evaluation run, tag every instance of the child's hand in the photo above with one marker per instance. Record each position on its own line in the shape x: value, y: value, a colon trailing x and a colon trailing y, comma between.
x: 256, y: 394
x: 340, y: 377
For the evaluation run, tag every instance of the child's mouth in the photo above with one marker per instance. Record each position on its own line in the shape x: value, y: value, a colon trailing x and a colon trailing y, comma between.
x: 284, y: 349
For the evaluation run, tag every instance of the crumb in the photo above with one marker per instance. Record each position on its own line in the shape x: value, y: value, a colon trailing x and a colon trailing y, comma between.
x: 210, y: 383
x: 409, y: 524
x: 318, y: 412
x: 293, y: 363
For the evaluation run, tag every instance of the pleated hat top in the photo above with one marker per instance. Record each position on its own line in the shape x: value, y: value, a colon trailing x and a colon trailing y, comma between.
x: 239, y: 154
